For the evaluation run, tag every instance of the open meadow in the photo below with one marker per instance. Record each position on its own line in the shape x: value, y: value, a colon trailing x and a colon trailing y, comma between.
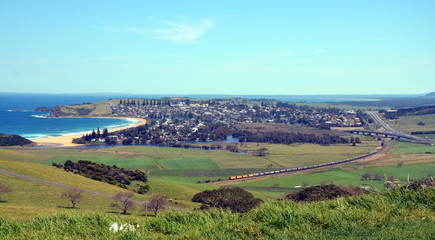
x: 410, y: 123
x: 174, y: 172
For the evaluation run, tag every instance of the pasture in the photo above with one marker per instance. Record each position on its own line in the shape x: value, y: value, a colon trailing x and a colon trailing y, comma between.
x: 410, y: 123
x: 128, y: 163
x: 405, y: 147
x: 174, y: 172
x: 276, y: 186
x: 431, y: 136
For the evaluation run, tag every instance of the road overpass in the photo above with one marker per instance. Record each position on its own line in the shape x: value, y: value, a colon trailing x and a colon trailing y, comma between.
x: 389, y: 131
x: 379, y: 134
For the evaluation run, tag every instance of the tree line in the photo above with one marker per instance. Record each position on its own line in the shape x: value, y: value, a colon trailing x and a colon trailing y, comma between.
x: 105, y: 173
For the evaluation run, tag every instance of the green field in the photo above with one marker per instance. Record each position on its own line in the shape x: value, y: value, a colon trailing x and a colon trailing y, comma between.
x: 128, y: 163
x: 431, y: 136
x: 187, y: 163
x: 405, y: 147
x: 175, y: 172
x: 337, y: 176
x: 409, y: 123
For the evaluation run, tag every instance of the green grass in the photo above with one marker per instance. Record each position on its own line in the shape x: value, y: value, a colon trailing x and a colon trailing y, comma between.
x: 409, y: 123
x: 172, y: 172
x: 187, y: 163
x: 129, y: 163
x: 402, y: 214
x: 94, y: 109
x: 431, y: 136
x: 405, y: 147
x: 337, y: 176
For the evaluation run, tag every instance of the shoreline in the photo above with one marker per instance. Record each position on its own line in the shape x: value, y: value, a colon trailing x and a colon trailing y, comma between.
x: 66, y: 140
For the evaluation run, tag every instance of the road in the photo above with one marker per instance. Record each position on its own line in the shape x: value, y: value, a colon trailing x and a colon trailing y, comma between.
x: 391, y: 130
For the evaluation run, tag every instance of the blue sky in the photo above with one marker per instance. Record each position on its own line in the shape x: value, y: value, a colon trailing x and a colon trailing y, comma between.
x: 218, y: 47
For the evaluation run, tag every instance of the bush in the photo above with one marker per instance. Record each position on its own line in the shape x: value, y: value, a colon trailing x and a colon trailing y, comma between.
x: 325, y: 192
x: 421, y: 183
x: 234, y: 199
x: 4, y: 188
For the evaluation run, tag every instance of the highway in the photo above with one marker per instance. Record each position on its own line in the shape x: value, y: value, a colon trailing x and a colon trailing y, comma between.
x: 391, y: 130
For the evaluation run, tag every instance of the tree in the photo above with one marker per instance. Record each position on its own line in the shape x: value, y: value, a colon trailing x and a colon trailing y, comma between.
x: 325, y: 192
x: 400, y: 164
x: 234, y: 199
x: 4, y: 188
x: 378, y: 177
x: 366, y: 176
x: 123, y: 201
x: 73, y: 195
x: 156, y: 203
x: 105, y: 133
x: 261, y: 152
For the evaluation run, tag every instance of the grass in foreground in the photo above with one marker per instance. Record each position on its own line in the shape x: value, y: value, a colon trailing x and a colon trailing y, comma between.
x: 402, y: 214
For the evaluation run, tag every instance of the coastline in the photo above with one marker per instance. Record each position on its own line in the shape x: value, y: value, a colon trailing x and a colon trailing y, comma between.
x: 66, y: 141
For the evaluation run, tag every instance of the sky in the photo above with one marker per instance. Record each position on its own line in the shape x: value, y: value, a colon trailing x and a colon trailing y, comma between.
x: 218, y: 47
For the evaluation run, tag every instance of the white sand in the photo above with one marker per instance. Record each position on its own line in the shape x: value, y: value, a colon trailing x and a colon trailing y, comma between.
x: 66, y: 141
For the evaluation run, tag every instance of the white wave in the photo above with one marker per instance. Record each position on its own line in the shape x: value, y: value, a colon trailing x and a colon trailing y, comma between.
x: 76, y: 133
x: 36, y: 136
x: 19, y: 110
x: 114, y: 126
x: 39, y: 116
x: 132, y: 120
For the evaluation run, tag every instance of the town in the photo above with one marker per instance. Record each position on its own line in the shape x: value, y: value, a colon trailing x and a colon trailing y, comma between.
x: 184, y: 120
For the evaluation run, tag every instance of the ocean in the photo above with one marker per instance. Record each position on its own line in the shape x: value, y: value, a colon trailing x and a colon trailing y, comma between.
x: 34, y: 125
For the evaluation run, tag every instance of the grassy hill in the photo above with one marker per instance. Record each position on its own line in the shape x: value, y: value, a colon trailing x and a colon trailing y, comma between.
x: 401, y: 214
x: 97, y: 109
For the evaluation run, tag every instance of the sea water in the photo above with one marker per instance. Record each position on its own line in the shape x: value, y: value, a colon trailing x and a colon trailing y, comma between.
x: 17, y: 116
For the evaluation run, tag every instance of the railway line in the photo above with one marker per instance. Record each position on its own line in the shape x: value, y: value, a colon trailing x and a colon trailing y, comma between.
x: 289, y: 170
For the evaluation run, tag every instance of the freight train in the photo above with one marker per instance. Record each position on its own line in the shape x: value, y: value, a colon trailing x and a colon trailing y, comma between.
x: 302, y: 168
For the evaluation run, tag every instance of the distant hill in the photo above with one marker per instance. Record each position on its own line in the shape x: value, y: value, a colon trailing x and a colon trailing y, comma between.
x: 393, y: 102
x: 13, y: 140
x: 97, y: 109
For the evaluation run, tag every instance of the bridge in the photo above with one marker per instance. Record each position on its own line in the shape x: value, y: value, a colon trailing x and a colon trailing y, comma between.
x: 376, y: 133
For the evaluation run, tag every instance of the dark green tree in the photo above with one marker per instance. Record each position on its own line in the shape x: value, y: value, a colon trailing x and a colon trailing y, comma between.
x: 105, y: 133
x: 234, y: 199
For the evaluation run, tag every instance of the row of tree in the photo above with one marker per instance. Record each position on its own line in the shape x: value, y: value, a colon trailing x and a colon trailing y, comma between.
x: 92, y: 136
x: 290, y: 138
x: 122, y: 201
x: 105, y: 173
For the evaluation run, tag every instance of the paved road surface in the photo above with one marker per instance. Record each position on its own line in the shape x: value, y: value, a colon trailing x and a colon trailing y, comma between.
x: 391, y: 130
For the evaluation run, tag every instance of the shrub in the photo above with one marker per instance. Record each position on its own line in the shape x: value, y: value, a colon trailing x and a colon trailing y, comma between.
x: 421, y: 183
x: 4, y: 188
x: 234, y: 199
x: 143, y: 189
x: 324, y: 192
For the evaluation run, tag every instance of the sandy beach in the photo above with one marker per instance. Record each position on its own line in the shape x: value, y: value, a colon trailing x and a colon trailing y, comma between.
x: 66, y: 141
